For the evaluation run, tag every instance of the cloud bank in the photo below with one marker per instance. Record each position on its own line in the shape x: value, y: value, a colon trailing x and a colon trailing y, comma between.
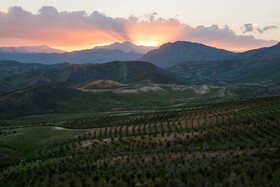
x: 77, y: 29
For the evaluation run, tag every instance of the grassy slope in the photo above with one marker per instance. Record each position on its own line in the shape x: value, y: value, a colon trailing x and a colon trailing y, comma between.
x: 158, y: 77
x: 268, y: 73
x: 28, y: 141
x: 105, y: 101
x: 75, y: 74
x: 59, y: 97
x: 32, y: 78
x: 8, y: 68
x: 35, y: 100
x: 230, y: 71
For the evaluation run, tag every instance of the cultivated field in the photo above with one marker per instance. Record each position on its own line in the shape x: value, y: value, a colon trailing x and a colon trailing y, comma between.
x: 210, y: 142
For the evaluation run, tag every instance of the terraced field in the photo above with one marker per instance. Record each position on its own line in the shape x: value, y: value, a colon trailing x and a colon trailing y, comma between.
x: 205, y: 142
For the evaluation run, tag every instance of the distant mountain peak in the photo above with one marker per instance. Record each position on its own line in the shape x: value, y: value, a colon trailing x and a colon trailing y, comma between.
x: 126, y: 47
x: 278, y: 44
x: 187, y: 43
x: 30, y: 49
x: 170, y: 54
x: 261, y: 53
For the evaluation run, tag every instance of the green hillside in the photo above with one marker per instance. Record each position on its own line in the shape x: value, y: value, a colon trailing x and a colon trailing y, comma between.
x: 60, y: 97
x: 74, y: 74
x: 157, y: 77
x: 8, y: 68
x: 269, y: 73
x: 228, y: 71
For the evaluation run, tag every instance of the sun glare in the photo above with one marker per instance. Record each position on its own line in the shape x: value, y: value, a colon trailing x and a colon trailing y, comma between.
x: 3, y: 11
x: 150, y: 43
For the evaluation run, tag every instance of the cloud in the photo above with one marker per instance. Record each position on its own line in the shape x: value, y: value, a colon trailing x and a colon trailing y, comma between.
x: 266, y: 28
x: 248, y: 27
x: 76, y: 29
x: 255, y: 27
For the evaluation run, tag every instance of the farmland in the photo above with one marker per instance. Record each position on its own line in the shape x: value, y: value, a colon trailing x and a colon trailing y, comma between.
x: 203, y: 142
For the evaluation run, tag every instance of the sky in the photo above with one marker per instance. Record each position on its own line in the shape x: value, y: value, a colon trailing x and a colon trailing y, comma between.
x: 73, y: 25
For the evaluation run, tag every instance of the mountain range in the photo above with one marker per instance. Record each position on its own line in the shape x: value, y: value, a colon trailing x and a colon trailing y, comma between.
x: 170, y: 54
x: 127, y: 47
x: 30, y: 49
x: 77, y: 57
x: 165, y: 56
x: 125, y: 51
x: 32, y: 88
x: 265, y: 72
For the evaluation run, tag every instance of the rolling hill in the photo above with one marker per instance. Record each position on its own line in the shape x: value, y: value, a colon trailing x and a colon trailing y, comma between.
x: 228, y: 71
x: 98, y: 84
x: 171, y: 54
x: 61, y: 97
x: 8, y: 68
x: 36, y: 100
x: 268, y: 73
x: 155, y: 77
x: 262, y: 53
x: 74, y: 74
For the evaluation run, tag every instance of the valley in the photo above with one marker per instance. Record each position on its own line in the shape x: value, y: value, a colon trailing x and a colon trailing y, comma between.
x: 150, y: 93
x: 205, y: 122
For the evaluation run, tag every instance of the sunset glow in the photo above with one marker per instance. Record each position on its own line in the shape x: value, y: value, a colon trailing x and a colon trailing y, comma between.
x: 3, y: 11
x: 77, y: 30
x: 150, y: 43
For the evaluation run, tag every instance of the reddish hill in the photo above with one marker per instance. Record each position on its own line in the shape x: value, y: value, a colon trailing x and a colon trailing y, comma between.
x: 98, y: 84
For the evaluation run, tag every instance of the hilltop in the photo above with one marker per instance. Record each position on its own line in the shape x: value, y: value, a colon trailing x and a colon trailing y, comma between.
x: 119, y: 71
x: 171, y: 54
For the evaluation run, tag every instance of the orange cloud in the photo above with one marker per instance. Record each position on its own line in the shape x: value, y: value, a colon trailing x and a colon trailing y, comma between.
x: 77, y: 30
x: 3, y: 11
